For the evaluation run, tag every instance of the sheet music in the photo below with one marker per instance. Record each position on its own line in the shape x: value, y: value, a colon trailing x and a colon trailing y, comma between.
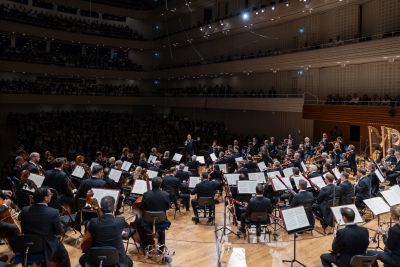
x: 287, y: 182
x: 126, y: 165
x: 318, y: 181
x: 247, y: 187
x: 336, y: 173
x: 115, y: 175
x: 278, y: 185
x: 177, y: 157
x: 379, y: 175
x: 213, y: 157
x: 257, y: 176
x: 288, y: 172
x: 92, y: 165
x: 232, y: 178
x: 140, y: 187
x: 261, y: 165
x: 391, y: 196
x: 152, y: 174
x: 186, y: 169
x: 297, y: 180
x: 37, y: 179
x: 303, y: 166
x: 238, y: 159
x: 193, y: 181
x: 377, y: 205
x: 99, y: 193
x: 396, y: 188
x: 223, y: 168
x: 338, y: 216
x: 201, y: 159
x: 78, y: 172
x: 295, y: 218
x: 274, y: 174
x: 151, y: 159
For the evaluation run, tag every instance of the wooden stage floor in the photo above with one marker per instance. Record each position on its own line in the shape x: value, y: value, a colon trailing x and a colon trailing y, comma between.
x: 199, y: 246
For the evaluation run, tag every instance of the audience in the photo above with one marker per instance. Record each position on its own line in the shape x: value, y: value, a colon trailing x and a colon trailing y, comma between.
x: 375, y: 100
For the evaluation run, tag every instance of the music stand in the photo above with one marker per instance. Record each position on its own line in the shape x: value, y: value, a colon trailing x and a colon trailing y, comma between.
x: 224, y: 229
x: 295, y: 220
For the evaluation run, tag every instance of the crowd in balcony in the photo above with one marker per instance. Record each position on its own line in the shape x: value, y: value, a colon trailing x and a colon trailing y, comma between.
x: 135, y: 4
x: 59, y: 22
x: 355, y: 99
x: 65, y: 87
x: 73, y: 55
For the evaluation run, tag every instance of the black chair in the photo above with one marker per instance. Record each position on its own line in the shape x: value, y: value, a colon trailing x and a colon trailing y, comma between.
x: 205, y: 205
x: 261, y: 221
x: 28, y: 249
x: 102, y: 257
x: 127, y: 236
x: 362, y: 260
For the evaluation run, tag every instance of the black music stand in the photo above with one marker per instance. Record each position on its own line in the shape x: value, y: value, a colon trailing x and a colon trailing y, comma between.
x: 292, y: 261
x: 224, y: 229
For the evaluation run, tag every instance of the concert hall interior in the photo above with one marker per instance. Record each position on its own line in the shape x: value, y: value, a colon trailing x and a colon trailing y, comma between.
x: 226, y: 133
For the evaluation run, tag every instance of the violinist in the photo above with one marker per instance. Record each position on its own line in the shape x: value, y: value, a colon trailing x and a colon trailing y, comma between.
x: 350, y: 160
x: 166, y: 162
x: 33, y: 165
x: 313, y: 171
x: 308, y: 148
x: 181, y: 174
x: 205, y: 188
x: 171, y: 185
x: 304, y: 198
x: 95, y: 181
x: 337, y: 151
x: 346, y: 189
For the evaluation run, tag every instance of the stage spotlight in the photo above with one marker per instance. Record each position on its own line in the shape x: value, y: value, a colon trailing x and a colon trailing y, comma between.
x: 245, y: 16
x: 273, y: 7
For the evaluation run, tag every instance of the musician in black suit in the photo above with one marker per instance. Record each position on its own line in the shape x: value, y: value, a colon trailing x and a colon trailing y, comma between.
x: 390, y: 256
x: 33, y: 165
x: 362, y: 188
x: 107, y: 231
x: 350, y: 160
x: 58, y: 180
x: 171, y: 184
x: 325, y: 201
x: 306, y: 199
x: 166, y: 162
x: 95, y: 181
x: 391, y: 158
x: 181, y: 174
x: 346, y: 189
x: 7, y: 230
x: 393, y: 175
x: 16, y: 172
x: 374, y: 179
x: 193, y: 165
x: 259, y: 203
x: 205, y: 188
x: 190, y: 144
x: 349, y: 241
x: 296, y: 161
x: 154, y: 200
x: 313, y: 169
x: 41, y: 220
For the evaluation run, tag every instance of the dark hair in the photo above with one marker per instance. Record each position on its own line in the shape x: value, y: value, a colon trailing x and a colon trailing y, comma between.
x: 204, y: 176
x: 243, y: 177
x: 97, y: 169
x: 362, y: 171
x: 348, y: 213
x: 106, y: 171
x: 296, y: 171
x: 107, y: 204
x: 216, y: 167
x: 329, y: 176
x: 156, y: 182
x: 259, y: 189
x: 345, y: 175
x: 302, y: 184
x: 40, y: 194
x: 58, y: 162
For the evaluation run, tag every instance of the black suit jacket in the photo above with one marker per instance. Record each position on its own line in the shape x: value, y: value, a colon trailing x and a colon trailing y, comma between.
x: 347, y: 193
x: 59, y: 181
x: 259, y: 204
x: 41, y: 220
x: 32, y: 168
x: 392, y: 243
x: 392, y: 159
x: 17, y: 171
x: 171, y: 184
x: 306, y: 199
x: 314, y: 174
x: 363, y: 189
x: 88, y: 184
x: 107, y: 231
x: 325, y: 201
x: 155, y: 200
x: 205, y: 188
x: 182, y: 175
x: 349, y: 241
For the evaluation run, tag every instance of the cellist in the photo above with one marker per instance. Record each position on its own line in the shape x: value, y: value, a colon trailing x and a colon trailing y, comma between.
x: 8, y: 229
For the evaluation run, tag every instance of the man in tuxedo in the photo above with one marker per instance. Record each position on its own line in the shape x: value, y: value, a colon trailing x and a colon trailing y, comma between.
x: 181, y: 174
x: 205, y: 188
x: 313, y: 171
x: 296, y: 161
x: 171, y: 184
x: 374, y: 179
x: 395, y: 173
x: 190, y: 144
x: 95, y: 181
x: 19, y: 161
x: 41, y: 220
x: 350, y: 160
x: 107, y: 231
x: 390, y: 256
x: 346, y: 189
x: 193, y: 165
x: 349, y: 241
x: 306, y: 199
x: 58, y: 180
x: 33, y: 165
x: 259, y: 203
x: 154, y: 200
x: 362, y: 188
x: 391, y: 158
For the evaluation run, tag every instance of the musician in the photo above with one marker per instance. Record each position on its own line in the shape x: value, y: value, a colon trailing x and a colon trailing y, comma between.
x: 395, y: 173
x: 205, y: 188
x: 242, y: 199
x: 58, y: 180
x: 18, y: 167
x: 349, y: 241
x: 325, y: 142
x: 190, y: 144
x: 259, y: 203
x: 304, y: 198
x: 171, y: 184
x: 350, y: 160
x: 193, y: 165
x: 124, y: 155
x: 156, y: 167
x: 296, y: 161
x: 96, y: 181
x: 373, y: 178
x: 166, y: 162
x: 106, y: 231
x: 214, y: 148
x: 142, y: 161
x: 39, y: 219
x: 308, y: 148
x: 313, y: 171
x: 346, y: 189
x: 390, y: 256
x: 390, y: 157
x: 154, y: 200
x: 362, y: 188
x: 337, y: 151
x: 33, y: 165
x: 99, y: 159
x: 325, y: 200
x: 181, y: 174
x: 117, y: 165
x: 7, y: 230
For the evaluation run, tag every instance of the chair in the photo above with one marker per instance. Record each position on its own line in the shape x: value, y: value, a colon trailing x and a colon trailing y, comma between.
x: 205, y: 205
x: 362, y: 260
x: 102, y: 256
x: 28, y: 249
x: 261, y: 221
x: 127, y: 236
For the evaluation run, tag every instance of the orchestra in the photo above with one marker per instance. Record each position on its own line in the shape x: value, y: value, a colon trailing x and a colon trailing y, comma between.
x: 295, y: 166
